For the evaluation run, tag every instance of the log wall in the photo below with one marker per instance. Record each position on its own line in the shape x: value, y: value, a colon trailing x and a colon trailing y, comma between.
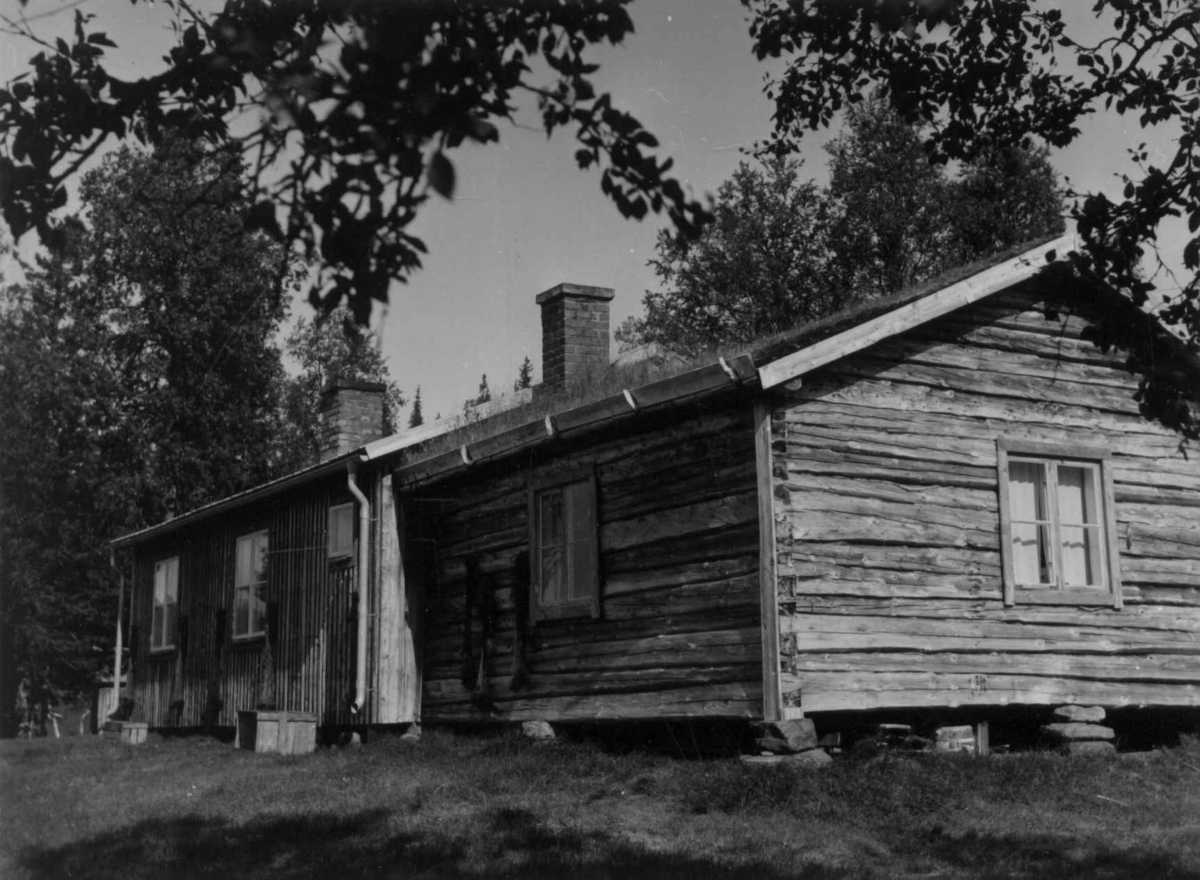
x: 678, y: 632
x: 888, y: 530
x: 313, y: 600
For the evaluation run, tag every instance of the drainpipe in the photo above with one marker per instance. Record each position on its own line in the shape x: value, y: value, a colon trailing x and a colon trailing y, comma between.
x: 112, y: 560
x: 364, y: 533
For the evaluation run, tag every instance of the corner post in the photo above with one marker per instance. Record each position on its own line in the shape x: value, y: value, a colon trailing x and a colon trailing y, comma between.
x: 768, y: 593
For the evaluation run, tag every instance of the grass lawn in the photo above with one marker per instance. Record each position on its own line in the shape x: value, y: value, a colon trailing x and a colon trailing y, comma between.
x: 476, y: 806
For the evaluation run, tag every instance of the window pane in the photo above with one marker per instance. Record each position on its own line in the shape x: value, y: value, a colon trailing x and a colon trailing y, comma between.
x: 1077, y: 497
x: 172, y: 624
x: 260, y: 556
x: 1027, y: 490
x: 341, y: 530
x: 241, y: 611
x: 1030, y: 559
x: 243, y: 573
x: 550, y: 519
x: 581, y: 561
x: 156, y: 627
x: 552, y: 576
x: 172, y: 591
x: 258, y: 608
x: 1081, y: 557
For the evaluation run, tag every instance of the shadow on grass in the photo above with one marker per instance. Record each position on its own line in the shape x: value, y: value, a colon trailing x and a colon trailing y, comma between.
x: 503, y: 842
x: 1035, y: 856
x: 513, y: 842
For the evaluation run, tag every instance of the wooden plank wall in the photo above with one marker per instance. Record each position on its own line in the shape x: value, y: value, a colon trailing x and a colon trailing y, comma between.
x: 316, y: 607
x: 887, y: 523
x: 678, y: 634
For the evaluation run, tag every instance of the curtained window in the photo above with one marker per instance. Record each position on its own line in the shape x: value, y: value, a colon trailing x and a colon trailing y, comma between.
x: 564, y: 554
x: 1056, y: 522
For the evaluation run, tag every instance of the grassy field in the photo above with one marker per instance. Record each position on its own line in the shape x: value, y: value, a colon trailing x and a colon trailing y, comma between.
x: 499, y: 806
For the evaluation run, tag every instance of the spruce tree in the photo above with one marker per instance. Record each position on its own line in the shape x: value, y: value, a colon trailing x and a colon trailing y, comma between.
x: 525, y: 376
x: 417, y: 418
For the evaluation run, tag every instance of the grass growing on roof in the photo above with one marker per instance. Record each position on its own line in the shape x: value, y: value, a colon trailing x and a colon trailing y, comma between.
x: 464, y: 806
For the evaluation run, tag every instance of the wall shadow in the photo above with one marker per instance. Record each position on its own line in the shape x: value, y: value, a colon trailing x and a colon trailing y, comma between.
x: 502, y: 842
x: 513, y: 842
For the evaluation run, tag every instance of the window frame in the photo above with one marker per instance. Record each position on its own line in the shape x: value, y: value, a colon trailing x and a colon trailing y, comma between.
x: 588, y: 606
x: 165, y: 645
x: 1057, y: 594
x: 348, y: 553
x: 251, y: 633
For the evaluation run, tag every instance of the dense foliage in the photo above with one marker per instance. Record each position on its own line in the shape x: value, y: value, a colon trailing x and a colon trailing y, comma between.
x: 760, y: 266
x: 127, y: 397
x: 355, y: 110
x: 782, y: 251
x: 981, y: 73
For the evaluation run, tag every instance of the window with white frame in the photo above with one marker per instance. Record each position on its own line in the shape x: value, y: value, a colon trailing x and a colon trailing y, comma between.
x: 1057, y: 525
x: 164, y: 620
x: 250, y: 586
x: 341, y: 531
x: 564, y: 551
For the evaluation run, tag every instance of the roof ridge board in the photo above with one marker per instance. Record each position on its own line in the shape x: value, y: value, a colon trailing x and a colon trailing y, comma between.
x: 905, y: 315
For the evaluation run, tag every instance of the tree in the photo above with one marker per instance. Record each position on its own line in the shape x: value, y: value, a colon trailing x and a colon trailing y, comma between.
x: 978, y: 73
x: 759, y: 267
x: 416, y: 418
x: 59, y: 439
x: 485, y: 393
x: 781, y: 252
x: 126, y: 397
x: 524, y: 375
x: 470, y: 412
x: 359, y: 107
x: 333, y: 347
x: 893, y: 224
x: 200, y: 373
x: 1004, y: 196
x: 901, y: 219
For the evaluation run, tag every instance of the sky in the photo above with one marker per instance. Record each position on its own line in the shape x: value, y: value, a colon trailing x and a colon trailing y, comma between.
x: 525, y: 218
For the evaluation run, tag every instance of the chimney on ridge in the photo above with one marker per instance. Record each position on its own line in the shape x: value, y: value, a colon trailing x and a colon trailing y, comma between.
x: 351, y: 415
x: 574, y: 333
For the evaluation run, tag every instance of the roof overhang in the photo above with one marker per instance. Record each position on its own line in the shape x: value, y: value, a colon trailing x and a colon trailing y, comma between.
x: 941, y: 302
x: 258, y: 493
x: 370, y: 452
x: 691, y: 385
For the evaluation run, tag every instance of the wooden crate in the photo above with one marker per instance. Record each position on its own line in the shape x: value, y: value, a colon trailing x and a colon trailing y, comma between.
x: 129, y: 732
x: 283, y: 733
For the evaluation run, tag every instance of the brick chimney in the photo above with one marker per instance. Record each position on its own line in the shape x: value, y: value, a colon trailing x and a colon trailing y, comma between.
x: 574, y: 333
x: 351, y: 415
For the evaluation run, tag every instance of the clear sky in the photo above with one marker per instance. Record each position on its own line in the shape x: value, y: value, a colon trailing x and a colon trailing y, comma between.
x: 524, y: 218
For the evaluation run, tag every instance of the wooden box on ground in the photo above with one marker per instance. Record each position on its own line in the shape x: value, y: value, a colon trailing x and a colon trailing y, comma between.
x: 284, y: 733
x: 130, y: 732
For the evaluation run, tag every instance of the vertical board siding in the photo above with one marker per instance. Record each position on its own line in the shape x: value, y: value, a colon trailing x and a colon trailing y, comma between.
x: 888, y: 527
x: 678, y: 630
x: 314, y: 602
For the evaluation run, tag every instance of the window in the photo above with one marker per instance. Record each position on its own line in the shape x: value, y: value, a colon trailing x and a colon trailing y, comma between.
x: 164, y: 621
x: 250, y: 586
x: 341, y: 531
x: 564, y: 552
x: 1057, y: 525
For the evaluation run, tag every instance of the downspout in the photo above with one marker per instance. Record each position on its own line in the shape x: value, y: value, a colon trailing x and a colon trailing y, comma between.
x: 364, y: 534
x: 112, y: 560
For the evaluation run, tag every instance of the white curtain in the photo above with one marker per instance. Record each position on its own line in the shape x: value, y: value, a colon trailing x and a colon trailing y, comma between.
x: 1027, y: 502
x: 1078, y: 526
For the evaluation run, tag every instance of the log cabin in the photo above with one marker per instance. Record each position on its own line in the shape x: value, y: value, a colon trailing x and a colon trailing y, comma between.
x: 944, y: 498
